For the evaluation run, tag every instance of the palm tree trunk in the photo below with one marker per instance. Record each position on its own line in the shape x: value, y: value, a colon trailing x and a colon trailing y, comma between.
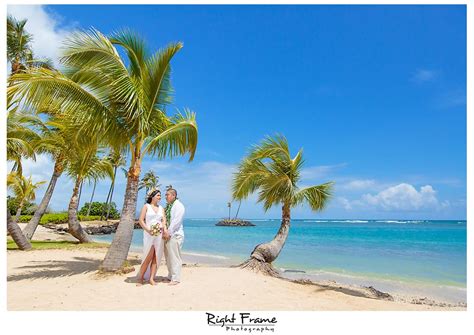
x: 106, y: 207
x: 238, y: 209
x: 75, y: 228
x: 16, y: 67
x: 16, y: 234
x: 30, y: 228
x: 110, y: 201
x: 118, y: 250
x: 18, y: 211
x: 264, y: 254
x: 92, y: 197
x: 79, y: 198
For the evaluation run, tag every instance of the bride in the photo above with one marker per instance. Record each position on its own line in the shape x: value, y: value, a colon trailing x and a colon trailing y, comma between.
x: 153, y: 221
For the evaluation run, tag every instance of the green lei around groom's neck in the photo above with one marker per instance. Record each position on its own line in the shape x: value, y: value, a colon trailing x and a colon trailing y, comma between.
x: 168, y: 212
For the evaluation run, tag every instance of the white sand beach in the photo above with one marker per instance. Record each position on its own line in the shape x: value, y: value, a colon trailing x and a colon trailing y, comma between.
x: 53, y: 280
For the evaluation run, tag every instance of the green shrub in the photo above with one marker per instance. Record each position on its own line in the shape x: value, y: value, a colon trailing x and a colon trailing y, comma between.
x: 98, y: 208
x: 13, y: 203
x: 56, y: 218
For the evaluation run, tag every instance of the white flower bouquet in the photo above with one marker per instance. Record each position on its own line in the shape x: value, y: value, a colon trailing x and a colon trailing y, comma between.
x: 155, y: 229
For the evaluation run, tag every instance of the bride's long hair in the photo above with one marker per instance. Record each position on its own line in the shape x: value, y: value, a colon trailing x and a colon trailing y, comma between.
x: 151, y: 195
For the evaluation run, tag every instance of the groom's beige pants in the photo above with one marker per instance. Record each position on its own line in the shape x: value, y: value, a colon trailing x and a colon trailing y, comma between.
x: 173, y: 257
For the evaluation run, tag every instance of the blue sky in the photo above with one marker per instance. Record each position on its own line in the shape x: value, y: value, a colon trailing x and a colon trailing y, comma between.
x: 376, y: 96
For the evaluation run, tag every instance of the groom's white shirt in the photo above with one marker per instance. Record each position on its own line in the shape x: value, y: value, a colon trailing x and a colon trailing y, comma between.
x: 177, y: 216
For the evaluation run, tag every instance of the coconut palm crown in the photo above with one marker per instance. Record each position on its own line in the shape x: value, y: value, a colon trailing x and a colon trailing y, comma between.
x: 270, y: 171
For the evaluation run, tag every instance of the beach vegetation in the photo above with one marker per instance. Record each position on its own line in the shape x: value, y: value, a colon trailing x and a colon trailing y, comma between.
x: 57, y: 140
x: 123, y: 98
x: 98, y: 208
x: 85, y: 165
x: 58, y: 218
x: 23, y: 188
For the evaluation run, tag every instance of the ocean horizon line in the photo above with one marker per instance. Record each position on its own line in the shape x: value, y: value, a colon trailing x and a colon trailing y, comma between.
x: 327, y: 219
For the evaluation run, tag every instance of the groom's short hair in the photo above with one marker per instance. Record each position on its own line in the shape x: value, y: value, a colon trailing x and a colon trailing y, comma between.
x: 173, y: 191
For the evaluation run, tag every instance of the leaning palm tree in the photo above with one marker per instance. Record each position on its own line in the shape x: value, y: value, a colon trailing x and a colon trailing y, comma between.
x: 270, y: 170
x: 24, y: 190
x: 126, y: 105
x: 57, y: 141
x: 86, y: 165
x: 149, y: 181
x: 12, y: 227
x: 15, y: 232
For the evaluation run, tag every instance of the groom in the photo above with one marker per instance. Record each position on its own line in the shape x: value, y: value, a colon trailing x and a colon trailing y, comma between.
x: 174, y: 238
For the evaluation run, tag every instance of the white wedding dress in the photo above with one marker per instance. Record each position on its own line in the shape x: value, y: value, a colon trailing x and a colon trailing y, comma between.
x: 152, y: 218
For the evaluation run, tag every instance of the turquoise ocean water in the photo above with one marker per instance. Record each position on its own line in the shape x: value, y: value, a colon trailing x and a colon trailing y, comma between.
x: 421, y: 254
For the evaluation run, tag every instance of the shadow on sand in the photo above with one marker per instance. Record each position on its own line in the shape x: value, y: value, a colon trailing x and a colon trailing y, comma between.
x: 54, y: 269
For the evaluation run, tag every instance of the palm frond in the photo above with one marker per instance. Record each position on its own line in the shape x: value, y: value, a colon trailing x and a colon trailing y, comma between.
x: 179, y: 138
x: 275, y: 148
x: 316, y: 196
x: 157, y: 86
x: 135, y: 48
x: 248, y: 178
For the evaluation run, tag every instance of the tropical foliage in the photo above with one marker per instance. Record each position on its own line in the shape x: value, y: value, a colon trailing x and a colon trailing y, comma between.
x: 150, y: 181
x: 24, y: 190
x: 98, y: 208
x: 123, y: 100
x: 57, y: 218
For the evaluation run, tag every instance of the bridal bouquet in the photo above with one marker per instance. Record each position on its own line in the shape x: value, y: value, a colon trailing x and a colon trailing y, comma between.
x: 155, y: 230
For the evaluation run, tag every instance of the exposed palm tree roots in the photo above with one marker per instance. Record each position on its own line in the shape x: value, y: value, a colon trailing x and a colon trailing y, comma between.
x: 260, y: 266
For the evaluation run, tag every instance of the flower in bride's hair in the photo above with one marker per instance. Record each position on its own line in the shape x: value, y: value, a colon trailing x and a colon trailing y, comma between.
x: 150, y: 192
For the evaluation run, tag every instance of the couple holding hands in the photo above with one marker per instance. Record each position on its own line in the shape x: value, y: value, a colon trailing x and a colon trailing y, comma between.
x: 162, y: 234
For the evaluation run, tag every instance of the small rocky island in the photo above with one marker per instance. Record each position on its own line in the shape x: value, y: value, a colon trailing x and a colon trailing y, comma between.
x: 234, y: 223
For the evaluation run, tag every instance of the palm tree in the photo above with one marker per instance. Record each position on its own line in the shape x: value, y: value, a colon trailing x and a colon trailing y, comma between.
x: 238, y: 209
x: 86, y: 165
x: 149, y: 181
x: 19, y: 51
x: 92, y: 198
x: 24, y: 190
x: 124, y: 104
x: 20, y: 136
x: 116, y: 159
x: 270, y: 170
x: 13, y: 228
x: 15, y: 232
x: 56, y: 140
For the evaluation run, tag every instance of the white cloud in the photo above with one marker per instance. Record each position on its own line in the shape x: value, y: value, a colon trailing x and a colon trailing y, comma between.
x: 39, y: 170
x: 358, y: 184
x: 44, y: 26
x: 423, y: 75
x: 315, y: 172
x: 404, y: 197
x: 42, y: 170
x: 205, y: 187
x: 345, y: 203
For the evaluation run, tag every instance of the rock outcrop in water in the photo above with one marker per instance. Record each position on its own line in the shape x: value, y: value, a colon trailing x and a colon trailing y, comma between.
x: 234, y: 223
